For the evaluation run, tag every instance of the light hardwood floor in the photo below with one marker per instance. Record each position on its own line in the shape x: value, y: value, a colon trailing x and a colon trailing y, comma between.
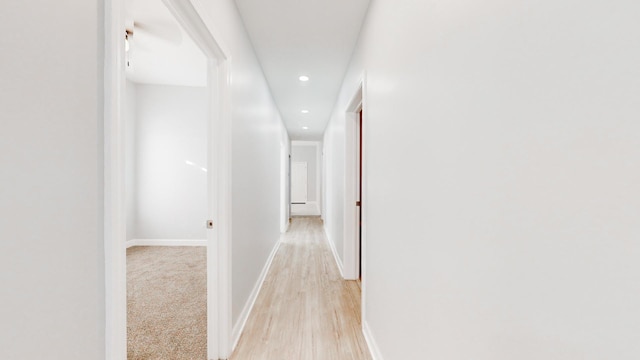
x: 305, y: 310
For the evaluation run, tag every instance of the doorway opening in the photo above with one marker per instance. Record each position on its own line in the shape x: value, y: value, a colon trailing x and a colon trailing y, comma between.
x: 355, y: 193
x: 306, y: 178
x: 206, y: 161
x: 166, y: 185
x: 299, y: 191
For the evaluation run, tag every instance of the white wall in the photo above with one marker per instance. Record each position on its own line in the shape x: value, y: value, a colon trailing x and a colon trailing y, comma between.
x: 502, y: 160
x: 170, y: 189
x: 51, y: 154
x: 257, y: 134
x: 285, y: 152
x: 51, y: 193
x: 334, y: 174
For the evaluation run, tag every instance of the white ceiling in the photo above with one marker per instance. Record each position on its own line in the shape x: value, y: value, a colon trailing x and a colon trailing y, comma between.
x: 290, y: 37
x: 160, y: 51
x: 304, y: 37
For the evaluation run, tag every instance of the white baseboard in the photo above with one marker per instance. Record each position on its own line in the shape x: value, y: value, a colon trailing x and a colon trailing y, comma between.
x: 310, y: 208
x: 166, y: 242
x: 371, y: 342
x: 248, y: 306
x: 286, y: 227
x: 334, y: 251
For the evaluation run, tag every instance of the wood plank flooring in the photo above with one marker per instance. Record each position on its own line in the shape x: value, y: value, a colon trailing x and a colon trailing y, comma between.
x: 305, y: 310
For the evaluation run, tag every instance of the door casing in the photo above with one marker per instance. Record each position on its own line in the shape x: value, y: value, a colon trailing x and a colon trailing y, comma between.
x: 354, y: 264
x: 351, y: 263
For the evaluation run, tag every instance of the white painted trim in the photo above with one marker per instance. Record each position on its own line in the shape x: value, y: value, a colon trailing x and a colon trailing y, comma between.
x: 166, y: 242
x: 224, y: 210
x: 223, y: 51
x: 351, y: 245
x: 371, y: 342
x: 202, y: 33
x: 332, y: 245
x: 114, y: 202
x: 248, y: 306
x: 351, y: 250
x: 188, y: 13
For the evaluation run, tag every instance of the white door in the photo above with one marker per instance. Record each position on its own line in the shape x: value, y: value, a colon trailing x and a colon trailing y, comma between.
x: 299, y: 182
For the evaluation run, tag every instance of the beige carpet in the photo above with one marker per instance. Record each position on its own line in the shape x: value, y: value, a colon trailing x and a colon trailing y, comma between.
x: 166, y: 303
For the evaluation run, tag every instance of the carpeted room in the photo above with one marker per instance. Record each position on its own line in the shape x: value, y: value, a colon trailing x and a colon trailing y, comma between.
x: 166, y: 113
x: 166, y: 231
x: 166, y: 302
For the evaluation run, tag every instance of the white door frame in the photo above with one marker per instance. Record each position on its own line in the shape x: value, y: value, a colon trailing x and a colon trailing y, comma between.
x: 218, y: 160
x: 352, y: 259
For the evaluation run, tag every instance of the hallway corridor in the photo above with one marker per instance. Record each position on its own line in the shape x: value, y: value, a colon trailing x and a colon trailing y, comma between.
x: 305, y: 310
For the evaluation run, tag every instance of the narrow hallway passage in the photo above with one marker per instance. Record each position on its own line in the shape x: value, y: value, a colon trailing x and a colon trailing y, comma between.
x: 305, y: 310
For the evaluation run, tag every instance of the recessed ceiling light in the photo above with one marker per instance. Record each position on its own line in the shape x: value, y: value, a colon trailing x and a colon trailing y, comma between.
x: 305, y: 111
x: 305, y: 127
x: 304, y: 78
